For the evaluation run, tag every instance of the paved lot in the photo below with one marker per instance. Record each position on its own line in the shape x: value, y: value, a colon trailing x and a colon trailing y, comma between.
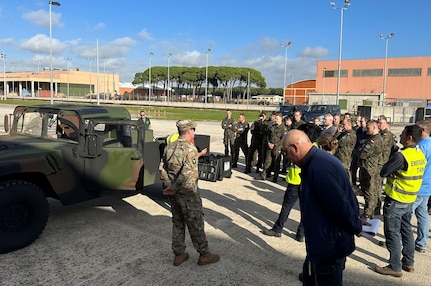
x: 123, y: 238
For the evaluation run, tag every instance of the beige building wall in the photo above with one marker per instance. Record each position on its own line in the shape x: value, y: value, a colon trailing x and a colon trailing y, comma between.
x: 106, y: 83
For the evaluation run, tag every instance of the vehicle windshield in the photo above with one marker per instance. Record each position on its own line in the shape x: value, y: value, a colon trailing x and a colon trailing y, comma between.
x: 286, y: 108
x: 316, y: 108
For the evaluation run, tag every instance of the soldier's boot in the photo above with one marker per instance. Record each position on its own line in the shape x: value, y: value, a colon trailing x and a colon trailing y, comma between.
x: 226, y: 149
x: 208, y: 258
x: 180, y: 258
x: 263, y: 175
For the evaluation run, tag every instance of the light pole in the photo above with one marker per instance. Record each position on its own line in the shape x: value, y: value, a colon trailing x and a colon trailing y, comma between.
x: 90, y: 60
x: 13, y: 77
x: 169, y: 80
x: 150, y: 88
x: 3, y: 56
x: 342, y: 8
x: 323, y: 83
x: 51, y: 86
x: 38, y: 62
x: 286, y: 46
x: 389, y: 36
x: 68, y: 60
x: 206, y: 78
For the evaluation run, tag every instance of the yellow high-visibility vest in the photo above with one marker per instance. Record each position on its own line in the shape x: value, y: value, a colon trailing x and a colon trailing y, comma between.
x: 292, y: 176
x: 405, y: 187
x: 172, y: 138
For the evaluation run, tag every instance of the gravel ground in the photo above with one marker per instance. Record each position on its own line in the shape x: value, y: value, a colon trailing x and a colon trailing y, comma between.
x: 124, y: 238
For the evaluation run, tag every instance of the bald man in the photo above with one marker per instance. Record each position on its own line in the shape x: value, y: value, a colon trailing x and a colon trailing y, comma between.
x: 330, y: 211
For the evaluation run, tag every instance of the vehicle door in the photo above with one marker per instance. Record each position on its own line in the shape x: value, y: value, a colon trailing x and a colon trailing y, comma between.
x: 127, y: 156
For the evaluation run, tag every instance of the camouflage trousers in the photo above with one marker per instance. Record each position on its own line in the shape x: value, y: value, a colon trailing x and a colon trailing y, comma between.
x: 371, y: 186
x: 187, y: 210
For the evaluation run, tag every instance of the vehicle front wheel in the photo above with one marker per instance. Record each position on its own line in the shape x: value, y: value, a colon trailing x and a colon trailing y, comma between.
x: 24, y: 212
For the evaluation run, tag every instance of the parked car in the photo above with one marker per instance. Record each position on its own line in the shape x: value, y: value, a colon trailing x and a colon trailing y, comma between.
x: 288, y: 109
x: 319, y: 111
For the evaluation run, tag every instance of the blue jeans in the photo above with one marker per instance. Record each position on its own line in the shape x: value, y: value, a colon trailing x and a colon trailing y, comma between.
x: 398, y: 229
x: 420, y: 209
x: 290, y: 197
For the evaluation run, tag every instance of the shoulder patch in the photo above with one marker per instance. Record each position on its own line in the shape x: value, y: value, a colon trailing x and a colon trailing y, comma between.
x: 191, y: 154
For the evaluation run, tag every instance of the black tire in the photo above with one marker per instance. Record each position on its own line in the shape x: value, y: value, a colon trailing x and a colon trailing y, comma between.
x: 24, y: 212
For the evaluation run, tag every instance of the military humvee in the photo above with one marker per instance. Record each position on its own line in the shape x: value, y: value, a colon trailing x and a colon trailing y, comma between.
x: 71, y: 153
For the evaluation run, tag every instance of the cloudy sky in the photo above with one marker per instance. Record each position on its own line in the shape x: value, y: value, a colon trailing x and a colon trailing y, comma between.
x: 131, y: 35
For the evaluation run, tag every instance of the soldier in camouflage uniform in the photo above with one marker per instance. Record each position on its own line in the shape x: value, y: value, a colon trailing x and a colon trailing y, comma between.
x: 257, y: 133
x: 228, y: 124
x: 389, y: 146
x: 346, y: 143
x: 273, y: 154
x: 370, y: 164
x: 180, y: 177
x: 241, y: 132
x: 389, y: 139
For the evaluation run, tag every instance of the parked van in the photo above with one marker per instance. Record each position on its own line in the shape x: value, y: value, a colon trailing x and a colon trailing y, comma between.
x: 269, y: 99
x: 319, y: 111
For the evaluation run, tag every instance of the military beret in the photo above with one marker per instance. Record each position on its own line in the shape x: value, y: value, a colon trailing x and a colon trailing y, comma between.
x: 184, y: 125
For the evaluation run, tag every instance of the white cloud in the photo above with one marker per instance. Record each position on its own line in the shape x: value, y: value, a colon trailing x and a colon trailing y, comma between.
x: 41, y: 18
x: 40, y: 43
x: 145, y: 35
x: 99, y: 26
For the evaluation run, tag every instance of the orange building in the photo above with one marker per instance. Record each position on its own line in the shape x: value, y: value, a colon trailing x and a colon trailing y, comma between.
x: 297, y: 93
x: 406, y: 79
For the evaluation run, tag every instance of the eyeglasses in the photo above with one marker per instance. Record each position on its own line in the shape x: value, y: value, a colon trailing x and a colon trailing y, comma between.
x: 194, y: 129
x: 142, y: 115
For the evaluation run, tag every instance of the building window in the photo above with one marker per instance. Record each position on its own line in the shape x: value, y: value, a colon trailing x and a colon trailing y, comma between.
x: 368, y: 72
x: 405, y: 72
x: 334, y: 73
x: 429, y: 72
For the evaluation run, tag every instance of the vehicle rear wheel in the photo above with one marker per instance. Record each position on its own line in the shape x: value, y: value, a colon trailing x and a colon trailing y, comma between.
x: 24, y: 212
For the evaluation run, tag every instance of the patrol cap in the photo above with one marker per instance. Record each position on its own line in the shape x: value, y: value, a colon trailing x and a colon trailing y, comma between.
x: 184, y: 125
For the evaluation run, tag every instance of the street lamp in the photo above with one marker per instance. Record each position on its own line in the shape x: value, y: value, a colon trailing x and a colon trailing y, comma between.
x: 342, y: 8
x: 13, y: 77
x: 3, y: 56
x: 51, y: 87
x: 286, y: 46
x: 389, y: 36
x: 150, y: 88
x: 68, y: 60
x: 91, y: 91
x: 38, y: 62
x: 206, y: 78
x: 169, y: 80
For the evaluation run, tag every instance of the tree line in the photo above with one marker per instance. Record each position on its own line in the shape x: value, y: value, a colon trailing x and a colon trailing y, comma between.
x: 223, y: 81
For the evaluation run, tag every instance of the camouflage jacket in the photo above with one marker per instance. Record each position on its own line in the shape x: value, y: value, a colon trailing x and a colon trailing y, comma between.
x: 389, y: 144
x: 228, y: 124
x: 346, y: 144
x: 275, y: 135
x: 180, y: 166
x: 371, y: 154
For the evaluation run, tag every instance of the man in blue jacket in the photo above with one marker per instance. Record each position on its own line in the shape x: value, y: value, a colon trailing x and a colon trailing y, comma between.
x: 420, y: 206
x: 330, y: 210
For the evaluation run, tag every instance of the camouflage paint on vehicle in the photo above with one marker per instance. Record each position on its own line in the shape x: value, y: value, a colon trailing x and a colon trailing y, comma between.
x: 71, y: 153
